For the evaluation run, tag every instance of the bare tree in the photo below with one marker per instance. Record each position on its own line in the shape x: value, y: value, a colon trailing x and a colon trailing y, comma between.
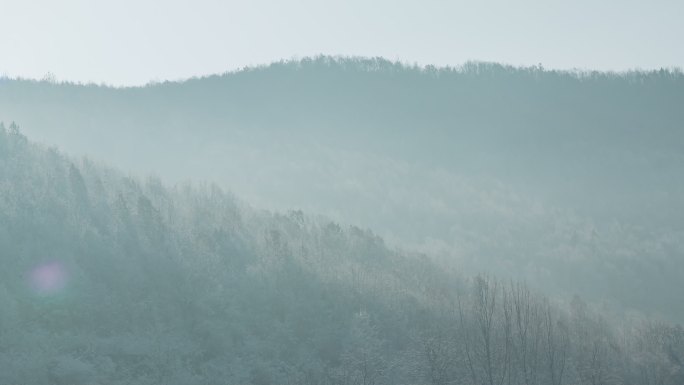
x: 556, y: 344
x: 527, y: 333
x: 487, y: 338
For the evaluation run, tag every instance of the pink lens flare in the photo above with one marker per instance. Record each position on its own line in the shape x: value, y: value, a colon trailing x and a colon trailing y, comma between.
x: 48, y: 278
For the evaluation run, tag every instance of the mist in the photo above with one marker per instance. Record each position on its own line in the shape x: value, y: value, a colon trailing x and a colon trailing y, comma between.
x: 182, y: 205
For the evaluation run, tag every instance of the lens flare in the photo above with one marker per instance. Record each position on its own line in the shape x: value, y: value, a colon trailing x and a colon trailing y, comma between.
x: 48, y: 278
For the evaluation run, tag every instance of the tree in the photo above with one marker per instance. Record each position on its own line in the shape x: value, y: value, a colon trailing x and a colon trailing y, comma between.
x: 363, y: 362
x: 487, y: 337
x: 527, y: 334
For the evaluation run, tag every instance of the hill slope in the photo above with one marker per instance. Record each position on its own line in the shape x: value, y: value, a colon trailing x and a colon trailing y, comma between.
x: 571, y: 181
x: 109, y: 280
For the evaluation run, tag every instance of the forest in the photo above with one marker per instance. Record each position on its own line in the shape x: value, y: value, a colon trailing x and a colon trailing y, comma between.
x: 568, y: 180
x: 344, y: 221
x: 110, y: 279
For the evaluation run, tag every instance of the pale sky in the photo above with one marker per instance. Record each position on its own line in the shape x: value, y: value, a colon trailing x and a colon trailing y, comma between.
x: 131, y: 42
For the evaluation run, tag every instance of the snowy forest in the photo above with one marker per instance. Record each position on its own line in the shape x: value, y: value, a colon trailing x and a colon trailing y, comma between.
x: 344, y: 221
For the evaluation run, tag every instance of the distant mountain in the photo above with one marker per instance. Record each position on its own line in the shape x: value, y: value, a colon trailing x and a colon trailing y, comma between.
x: 108, y: 279
x: 570, y: 180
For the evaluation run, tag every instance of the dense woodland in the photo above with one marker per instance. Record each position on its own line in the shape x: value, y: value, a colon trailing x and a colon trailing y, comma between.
x: 189, y: 285
x: 569, y: 180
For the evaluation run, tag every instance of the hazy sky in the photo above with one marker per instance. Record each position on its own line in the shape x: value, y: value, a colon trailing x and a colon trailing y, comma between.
x: 135, y: 41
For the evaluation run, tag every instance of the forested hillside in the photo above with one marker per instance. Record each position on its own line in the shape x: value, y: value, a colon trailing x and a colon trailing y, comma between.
x: 569, y: 180
x: 109, y: 279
